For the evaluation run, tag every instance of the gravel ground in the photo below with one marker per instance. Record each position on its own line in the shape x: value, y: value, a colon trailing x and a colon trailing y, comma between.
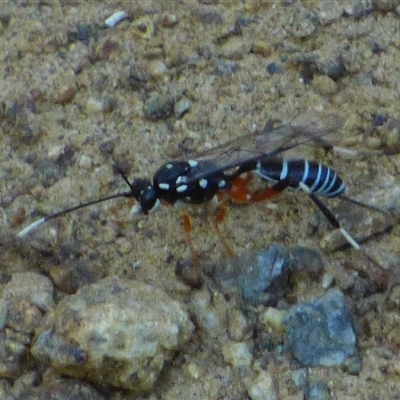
x: 78, y: 97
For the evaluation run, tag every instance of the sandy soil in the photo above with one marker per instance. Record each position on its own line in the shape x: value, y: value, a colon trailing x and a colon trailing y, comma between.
x: 73, y: 98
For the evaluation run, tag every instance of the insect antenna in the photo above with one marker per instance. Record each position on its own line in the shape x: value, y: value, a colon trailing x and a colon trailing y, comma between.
x: 134, y: 191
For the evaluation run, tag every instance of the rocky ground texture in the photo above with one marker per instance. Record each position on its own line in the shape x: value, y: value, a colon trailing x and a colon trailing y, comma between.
x: 98, y: 305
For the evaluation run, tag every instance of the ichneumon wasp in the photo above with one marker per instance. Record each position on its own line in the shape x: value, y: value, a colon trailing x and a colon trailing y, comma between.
x: 224, y: 172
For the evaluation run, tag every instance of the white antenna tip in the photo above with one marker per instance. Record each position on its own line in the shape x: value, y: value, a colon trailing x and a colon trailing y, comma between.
x: 29, y: 228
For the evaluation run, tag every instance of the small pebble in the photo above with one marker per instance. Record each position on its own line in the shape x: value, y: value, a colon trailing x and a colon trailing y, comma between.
x: 104, y: 49
x: 194, y: 370
x: 85, y: 162
x: 54, y: 152
x: 71, y: 276
x: 238, y: 326
x: 352, y: 365
x: 272, y: 318
x: 189, y: 274
x: 226, y: 68
x: 274, y: 68
x: 65, y: 94
x: 358, y: 9
x: 237, y: 354
x: 136, y: 266
x: 317, y: 391
x: 329, y: 12
x: 264, y: 275
x: 157, y: 68
x: 345, y: 152
x: 137, y: 79
x: 252, y: 6
x: 307, y: 263
x: 377, y: 48
x: 335, y: 69
x: 324, y: 85
x: 94, y: 106
x: 261, y: 47
x: 123, y: 245
x: 144, y: 27
x: 169, y: 20
x: 304, y: 23
x: 5, y: 19
x: 158, y: 107
x: 182, y: 107
x: 327, y: 281
x: 116, y: 18
x: 379, y: 120
x: 210, y: 318
x: 263, y: 387
x: 374, y: 142
x: 83, y: 32
x: 107, y: 146
x: 299, y: 377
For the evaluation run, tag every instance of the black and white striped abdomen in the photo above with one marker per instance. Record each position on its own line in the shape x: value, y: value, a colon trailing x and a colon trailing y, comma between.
x: 318, y: 178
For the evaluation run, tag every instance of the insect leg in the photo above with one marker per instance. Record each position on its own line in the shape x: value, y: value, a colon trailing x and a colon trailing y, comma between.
x: 187, y: 227
x: 337, y: 225
x: 332, y: 219
x: 219, y: 217
x: 241, y: 193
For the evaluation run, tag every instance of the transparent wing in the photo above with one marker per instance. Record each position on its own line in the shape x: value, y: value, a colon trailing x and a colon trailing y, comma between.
x: 312, y: 129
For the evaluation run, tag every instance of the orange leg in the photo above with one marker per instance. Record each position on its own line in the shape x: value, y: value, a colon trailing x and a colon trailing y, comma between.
x: 187, y: 227
x: 219, y: 217
x: 190, y: 273
x: 240, y: 192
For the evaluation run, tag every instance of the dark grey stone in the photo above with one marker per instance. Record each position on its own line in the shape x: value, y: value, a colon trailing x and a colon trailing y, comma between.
x: 320, y: 333
x: 262, y: 277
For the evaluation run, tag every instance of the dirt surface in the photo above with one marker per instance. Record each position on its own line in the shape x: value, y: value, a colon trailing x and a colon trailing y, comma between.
x: 75, y: 102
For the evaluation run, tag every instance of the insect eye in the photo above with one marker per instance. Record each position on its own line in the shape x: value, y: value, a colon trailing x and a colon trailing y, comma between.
x: 148, y: 200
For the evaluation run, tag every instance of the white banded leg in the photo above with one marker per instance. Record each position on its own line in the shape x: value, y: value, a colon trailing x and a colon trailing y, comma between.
x: 329, y: 216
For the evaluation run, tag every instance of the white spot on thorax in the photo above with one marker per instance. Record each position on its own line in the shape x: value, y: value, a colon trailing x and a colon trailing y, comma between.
x: 182, y: 188
x: 203, y: 183
x: 193, y: 163
x: 180, y: 179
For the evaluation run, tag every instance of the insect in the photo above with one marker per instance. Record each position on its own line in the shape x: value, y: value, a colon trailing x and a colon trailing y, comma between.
x: 312, y: 177
x: 225, y: 170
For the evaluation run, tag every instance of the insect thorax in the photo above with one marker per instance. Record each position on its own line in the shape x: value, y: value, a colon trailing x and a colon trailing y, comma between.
x: 177, y: 180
